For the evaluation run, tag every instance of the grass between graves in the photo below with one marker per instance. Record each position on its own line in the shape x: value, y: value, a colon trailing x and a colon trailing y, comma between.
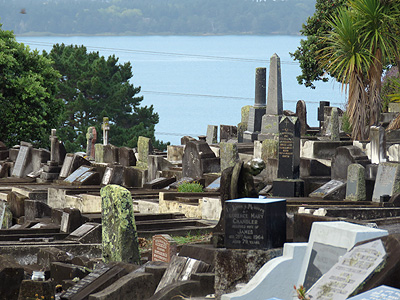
x: 190, y: 238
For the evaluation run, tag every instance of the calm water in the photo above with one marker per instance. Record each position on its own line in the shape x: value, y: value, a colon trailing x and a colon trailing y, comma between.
x: 193, y: 81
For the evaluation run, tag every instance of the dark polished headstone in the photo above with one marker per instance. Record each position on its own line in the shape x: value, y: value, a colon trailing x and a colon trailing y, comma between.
x: 289, y: 148
x: 252, y: 223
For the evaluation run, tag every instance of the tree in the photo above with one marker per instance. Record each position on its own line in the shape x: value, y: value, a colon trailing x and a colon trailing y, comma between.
x: 314, y: 28
x: 93, y: 87
x: 29, y: 108
x: 360, y: 43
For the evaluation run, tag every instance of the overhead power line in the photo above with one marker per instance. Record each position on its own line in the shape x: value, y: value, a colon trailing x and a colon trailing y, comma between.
x: 219, y: 96
x: 148, y: 52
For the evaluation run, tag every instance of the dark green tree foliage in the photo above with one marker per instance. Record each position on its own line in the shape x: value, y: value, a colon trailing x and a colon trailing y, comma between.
x: 29, y: 108
x: 308, y: 52
x: 93, y: 87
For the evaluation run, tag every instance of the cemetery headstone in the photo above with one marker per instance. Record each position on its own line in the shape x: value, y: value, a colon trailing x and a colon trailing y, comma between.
x: 349, y: 272
x: 198, y: 158
x: 255, y: 223
x: 144, y: 149
x: 91, y: 138
x: 345, y: 156
x: 334, y: 125
x: 229, y: 155
x: 227, y: 132
x: 77, y: 173
x: 355, y: 188
x: 119, y: 238
x: 387, y: 180
x: 378, y: 144
x: 164, y: 248
x: 127, y: 157
x: 212, y: 134
x: 271, y: 119
x: 301, y: 113
x: 321, y: 109
x: 258, y: 110
x: 71, y: 163
x: 288, y: 183
x: 382, y: 292
x: 332, y: 190
x: 23, y: 163
x: 159, y: 183
x: 275, y: 99
x: 289, y: 148
x: 53, y: 145
x: 175, y: 153
x: 106, y: 128
x: 113, y: 175
x: 95, y: 281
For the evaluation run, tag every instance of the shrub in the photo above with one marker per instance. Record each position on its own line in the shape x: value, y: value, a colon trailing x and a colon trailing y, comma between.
x: 187, y: 187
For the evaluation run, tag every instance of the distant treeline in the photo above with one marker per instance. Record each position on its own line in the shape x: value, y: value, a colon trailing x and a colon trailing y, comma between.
x: 155, y: 16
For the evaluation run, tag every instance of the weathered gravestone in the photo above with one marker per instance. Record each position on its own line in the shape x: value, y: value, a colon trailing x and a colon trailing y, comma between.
x: 113, y: 175
x: 387, y: 180
x: 349, y: 272
x: 91, y: 138
x: 332, y: 190
x: 355, y: 188
x: 378, y: 144
x: 159, y: 183
x: 71, y: 163
x: 320, y: 113
x: 144, y: 149
x: 77, y: 173
x: 198, y: 158
x: 126, y: 157
x: 382, y: 292
x: 212, y: 134
x: 301, y: 113
x: 106, y: 128
x: 23, y: 163
x: 334, y: 127
x: 228, y: 154
x: 255, y: 223
x: 258, y: 110
x: 274, y: 110
x: 345, y: 156
x: 227, y: 132
x: 30, y: 288
x: 96, y: 281
x: 120, y: 241
x: 164, y: 248
x: 288, y: 183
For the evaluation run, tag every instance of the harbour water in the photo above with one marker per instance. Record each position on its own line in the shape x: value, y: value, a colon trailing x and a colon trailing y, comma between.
x: 193, y: 81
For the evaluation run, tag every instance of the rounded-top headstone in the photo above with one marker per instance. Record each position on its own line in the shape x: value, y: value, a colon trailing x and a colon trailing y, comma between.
x: 119, y: 235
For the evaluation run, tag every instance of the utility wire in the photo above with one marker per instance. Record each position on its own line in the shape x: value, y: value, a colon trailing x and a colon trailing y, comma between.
x: 167, y: 53
x: 220, y: 97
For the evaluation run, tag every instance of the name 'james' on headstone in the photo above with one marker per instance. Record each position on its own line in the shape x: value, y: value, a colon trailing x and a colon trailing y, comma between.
x: 252, y: 223
x: 164, y: 247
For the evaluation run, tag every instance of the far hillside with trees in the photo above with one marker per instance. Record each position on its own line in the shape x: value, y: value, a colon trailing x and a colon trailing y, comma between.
x: 178, y: 17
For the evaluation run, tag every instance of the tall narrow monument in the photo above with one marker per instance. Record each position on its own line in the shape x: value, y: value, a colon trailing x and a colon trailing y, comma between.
x: 258, y: 110
x: 274, y: 109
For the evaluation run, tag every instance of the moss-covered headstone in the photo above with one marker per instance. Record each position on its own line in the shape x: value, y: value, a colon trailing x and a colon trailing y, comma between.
x: 229, y: 155
x: 144, y: 148
x: 119, y: 235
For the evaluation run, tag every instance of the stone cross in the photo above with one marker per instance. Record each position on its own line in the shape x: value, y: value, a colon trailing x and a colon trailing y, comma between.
x: 91, y: 137
x: 53, y: 143
x: 106, y: 128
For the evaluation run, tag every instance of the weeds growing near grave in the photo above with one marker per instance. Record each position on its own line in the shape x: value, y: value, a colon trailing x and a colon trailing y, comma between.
x: 190, y: 187
x: 192, y: 238
x: 301, y: 293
